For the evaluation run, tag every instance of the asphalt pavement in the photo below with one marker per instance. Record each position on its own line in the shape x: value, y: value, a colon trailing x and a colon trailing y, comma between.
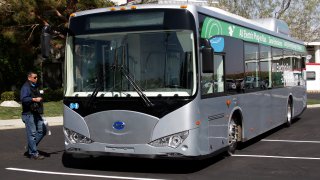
x: 283, y: 153
x: 280, y: 154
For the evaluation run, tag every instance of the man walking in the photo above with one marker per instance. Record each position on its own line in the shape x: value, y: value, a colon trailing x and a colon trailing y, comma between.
x: 32, y: 110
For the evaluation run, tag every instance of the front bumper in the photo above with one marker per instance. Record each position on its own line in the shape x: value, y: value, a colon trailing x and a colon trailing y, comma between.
x: 188, y: 149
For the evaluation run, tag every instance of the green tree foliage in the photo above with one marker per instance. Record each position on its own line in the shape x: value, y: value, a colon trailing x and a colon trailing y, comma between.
x: 20, y: 29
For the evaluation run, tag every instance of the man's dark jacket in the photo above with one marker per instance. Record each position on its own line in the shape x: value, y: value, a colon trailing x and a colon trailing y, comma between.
x: 29, y: 91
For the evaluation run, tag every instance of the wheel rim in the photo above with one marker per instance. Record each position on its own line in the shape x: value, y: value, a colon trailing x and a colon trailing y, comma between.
x: 289, y: 113
x: 232, y: 133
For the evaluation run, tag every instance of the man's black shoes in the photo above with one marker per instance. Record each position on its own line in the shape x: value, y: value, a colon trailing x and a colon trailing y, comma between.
x: 40, y: 156
x: 26, y: 154
x: 37, y: 157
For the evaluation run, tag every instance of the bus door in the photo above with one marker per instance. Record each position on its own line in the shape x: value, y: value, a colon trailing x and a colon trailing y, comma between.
x: 212, y: 104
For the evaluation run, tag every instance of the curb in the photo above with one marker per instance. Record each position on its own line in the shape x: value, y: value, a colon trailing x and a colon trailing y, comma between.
x: 17, y: 123
x: 313, y: 106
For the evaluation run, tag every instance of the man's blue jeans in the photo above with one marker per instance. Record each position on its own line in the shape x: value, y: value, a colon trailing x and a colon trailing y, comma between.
x: 36, y: 130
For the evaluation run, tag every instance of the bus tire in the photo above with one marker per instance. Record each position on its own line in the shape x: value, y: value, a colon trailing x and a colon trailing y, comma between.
x: 73, y: 160
x: 233, y: 135
x: 289, y: 113
x: 67, y: 160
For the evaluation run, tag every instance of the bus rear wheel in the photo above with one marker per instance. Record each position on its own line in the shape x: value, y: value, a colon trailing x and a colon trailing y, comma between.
x: 234, y: 135
x: 289, y: 113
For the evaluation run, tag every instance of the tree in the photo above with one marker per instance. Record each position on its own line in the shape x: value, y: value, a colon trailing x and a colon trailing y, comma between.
x: 303, y: 19
x: 285, y: 4
x: 302, y: 16
x: 254, y: 8
x: 20, y: 29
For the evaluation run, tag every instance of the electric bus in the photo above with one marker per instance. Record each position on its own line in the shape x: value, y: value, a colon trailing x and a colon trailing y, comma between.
x: 154, y: 81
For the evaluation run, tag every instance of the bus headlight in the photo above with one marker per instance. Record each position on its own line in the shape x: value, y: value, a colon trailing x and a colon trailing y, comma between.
x: 75, y: 137
x: 173, y: 140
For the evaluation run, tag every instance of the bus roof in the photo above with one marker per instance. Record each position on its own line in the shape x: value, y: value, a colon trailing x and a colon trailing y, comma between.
x: 244, y: 22
x: 212, y: 11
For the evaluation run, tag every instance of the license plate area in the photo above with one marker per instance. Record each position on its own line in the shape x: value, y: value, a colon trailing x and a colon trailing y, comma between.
x: 120, y: 149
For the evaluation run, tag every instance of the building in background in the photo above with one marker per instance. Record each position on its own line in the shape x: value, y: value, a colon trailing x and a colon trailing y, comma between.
x: 313, y: 66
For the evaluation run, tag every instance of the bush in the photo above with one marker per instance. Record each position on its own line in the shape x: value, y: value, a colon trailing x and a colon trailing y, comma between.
x: 49, y: 95
x: 8, y: 96
x: 17, y: 95
x: 53, y: 95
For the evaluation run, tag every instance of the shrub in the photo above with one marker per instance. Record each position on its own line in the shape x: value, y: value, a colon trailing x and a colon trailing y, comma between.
x: 17, y: 95
x: 8, y: 96
x: 53, y: 95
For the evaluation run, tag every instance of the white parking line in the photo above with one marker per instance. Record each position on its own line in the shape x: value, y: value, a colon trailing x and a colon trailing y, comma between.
x: 276, y: 157
x: 76, y: 174
x: 291, y: 141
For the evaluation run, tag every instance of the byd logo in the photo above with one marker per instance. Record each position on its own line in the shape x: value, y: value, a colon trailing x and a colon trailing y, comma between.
x: 118, y: 125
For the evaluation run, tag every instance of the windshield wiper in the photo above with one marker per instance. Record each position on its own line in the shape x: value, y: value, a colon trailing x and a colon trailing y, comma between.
x: 135, y: 86
x: 94, y: 93
x: 124, y: 70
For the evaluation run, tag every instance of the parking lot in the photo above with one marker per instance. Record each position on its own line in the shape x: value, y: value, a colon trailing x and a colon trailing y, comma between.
x: 283, y: 153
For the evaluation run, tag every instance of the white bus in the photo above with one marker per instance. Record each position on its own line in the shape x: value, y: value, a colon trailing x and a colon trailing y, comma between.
x: 154, y: 81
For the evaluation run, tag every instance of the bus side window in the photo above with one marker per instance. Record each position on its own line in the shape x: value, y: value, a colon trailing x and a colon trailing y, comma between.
x: 251, y: 56
x: 214, y: 82
x: 219, y: 73
x: 265, y: 67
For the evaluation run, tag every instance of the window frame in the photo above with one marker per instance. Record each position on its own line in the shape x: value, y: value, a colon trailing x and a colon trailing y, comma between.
x: 307, y: 77
x: 257, y: 74
x: 214, y: 94
x: 269, y: 61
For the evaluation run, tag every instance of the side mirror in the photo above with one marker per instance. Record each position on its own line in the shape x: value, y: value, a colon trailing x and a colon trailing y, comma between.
x: 45, y: 41
x: 207, y: 56
x: 207, y: 60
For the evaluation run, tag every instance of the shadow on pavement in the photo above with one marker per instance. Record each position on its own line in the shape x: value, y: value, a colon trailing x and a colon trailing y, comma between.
x: 126, y: 164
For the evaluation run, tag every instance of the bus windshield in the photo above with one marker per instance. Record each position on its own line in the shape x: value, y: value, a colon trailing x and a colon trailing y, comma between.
x: 160, y: 63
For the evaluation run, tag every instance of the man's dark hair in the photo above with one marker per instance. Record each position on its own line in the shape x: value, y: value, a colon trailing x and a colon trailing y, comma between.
x: 30, y: 73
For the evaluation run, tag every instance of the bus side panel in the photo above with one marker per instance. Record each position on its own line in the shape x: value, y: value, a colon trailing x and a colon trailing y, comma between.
x: 279, y: 104
x: 256, y: 113
x: 265, y: 110
x: 214, y: 112
x: 299, y: 100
